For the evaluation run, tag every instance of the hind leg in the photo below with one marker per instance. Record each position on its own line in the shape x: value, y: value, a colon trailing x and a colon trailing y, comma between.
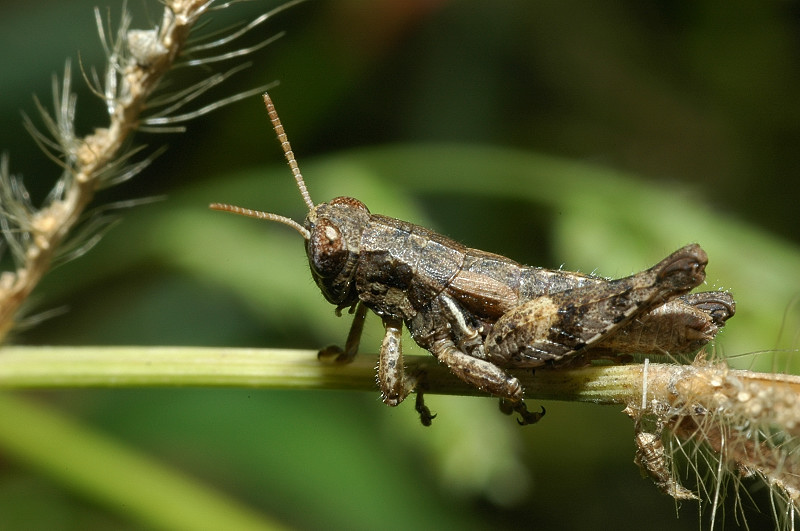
x: 554, y: 328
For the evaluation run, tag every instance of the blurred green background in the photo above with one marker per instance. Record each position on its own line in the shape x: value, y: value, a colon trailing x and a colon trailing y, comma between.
x: 594, y: 136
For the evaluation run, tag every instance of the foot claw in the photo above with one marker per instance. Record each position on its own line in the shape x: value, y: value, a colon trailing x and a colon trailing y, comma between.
x: 526, y: 416
x: 425, y: 415
x: 333, y: 354
x: 508, y: 407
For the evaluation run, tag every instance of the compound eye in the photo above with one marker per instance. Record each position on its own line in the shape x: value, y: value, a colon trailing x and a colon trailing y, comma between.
x: 327, y: 252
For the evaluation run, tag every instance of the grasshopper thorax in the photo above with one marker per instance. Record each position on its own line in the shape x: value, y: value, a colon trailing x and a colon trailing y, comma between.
x: 333, y: 245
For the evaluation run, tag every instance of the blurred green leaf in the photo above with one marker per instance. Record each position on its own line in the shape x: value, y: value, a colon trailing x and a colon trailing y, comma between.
x: 119, y: 477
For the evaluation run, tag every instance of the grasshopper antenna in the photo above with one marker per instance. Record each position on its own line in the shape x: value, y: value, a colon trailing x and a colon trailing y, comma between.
x: 258, y: 214
x: 298, y: 177
x: 287, y: 151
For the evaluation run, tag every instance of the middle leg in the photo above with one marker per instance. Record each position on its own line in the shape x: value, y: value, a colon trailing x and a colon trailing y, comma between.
x: 486, y: 376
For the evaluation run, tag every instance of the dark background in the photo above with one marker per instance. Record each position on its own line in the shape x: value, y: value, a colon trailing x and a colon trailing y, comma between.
x: 599, y: 137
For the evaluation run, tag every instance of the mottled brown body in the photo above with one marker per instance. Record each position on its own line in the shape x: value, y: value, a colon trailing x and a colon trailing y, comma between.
x: 480, y: 313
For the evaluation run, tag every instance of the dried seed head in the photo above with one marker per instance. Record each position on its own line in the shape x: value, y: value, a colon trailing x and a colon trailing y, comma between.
x: 737, y: 423
x: 145, y: 46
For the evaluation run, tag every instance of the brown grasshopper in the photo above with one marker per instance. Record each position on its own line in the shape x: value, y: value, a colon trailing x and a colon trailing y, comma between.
x: 478, y: 312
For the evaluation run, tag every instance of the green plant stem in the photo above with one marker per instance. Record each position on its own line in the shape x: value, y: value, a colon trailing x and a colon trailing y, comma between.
x: 73, y: 367
x: 61, y: 367
x: 709, y: 394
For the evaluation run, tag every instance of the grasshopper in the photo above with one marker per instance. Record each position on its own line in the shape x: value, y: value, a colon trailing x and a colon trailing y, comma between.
x: 481, y: 313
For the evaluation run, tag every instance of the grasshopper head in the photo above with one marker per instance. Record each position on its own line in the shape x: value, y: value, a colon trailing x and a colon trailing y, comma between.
x: 333, y: 245
x: 332, y: 230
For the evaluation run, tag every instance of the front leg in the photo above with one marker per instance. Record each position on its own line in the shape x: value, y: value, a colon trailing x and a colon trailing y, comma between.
x: 394, y: 383
x: 336, y: 354
x: 391, y: 373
